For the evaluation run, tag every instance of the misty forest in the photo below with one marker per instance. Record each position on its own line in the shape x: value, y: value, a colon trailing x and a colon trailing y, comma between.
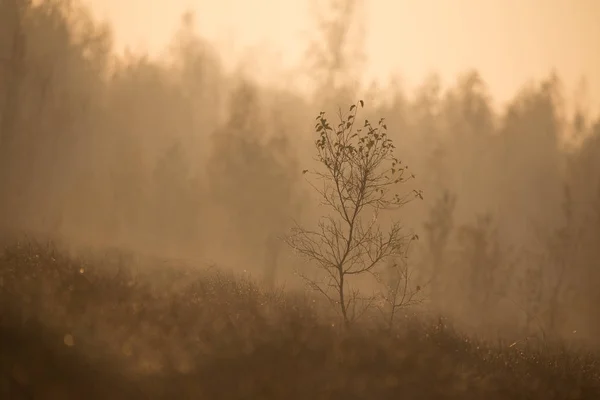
x: 172, y: 228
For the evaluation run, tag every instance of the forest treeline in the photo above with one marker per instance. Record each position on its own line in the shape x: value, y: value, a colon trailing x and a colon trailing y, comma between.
x: 178, y: 157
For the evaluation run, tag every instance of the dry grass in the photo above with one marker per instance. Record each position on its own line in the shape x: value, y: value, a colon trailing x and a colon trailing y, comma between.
x: 180, y: 333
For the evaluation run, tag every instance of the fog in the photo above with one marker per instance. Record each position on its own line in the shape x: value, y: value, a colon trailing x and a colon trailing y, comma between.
x: 184, y: 156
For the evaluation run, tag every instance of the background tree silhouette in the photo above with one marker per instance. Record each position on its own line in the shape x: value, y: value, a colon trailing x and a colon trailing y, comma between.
x: 250, y: 177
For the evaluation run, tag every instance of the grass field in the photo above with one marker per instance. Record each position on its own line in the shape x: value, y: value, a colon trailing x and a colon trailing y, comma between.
x: 98, y: 328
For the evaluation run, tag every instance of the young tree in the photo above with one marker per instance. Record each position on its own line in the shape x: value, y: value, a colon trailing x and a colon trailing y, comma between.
x: 359, y: 172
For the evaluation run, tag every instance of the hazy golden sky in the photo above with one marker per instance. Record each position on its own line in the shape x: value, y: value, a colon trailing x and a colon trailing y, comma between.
x: 508, y: 41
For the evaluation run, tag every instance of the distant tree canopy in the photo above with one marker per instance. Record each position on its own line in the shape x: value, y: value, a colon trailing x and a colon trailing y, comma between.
x: 247, y: 175
x: 335, y: 52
